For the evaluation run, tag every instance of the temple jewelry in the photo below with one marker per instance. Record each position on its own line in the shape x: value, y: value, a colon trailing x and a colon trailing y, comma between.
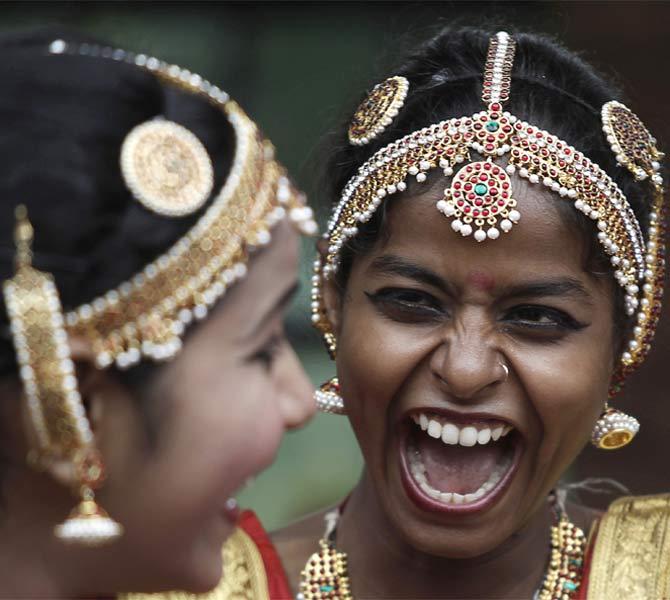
x: 57, y: 415
x: 167, y: 168
x: 319, y: 317
x: 614, y: 429
x: 378, y: 110
x: 498, y: 69
x: 326, y: 577
x: 632, y: 143
x: 482, y: 191
x: 88, y: 524
x: 146, y: 316
x: 328, y: 399
x: 480, y: 201
x: 563, y: 577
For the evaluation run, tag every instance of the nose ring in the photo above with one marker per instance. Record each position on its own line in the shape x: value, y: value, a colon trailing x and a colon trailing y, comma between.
x: 505, y: 368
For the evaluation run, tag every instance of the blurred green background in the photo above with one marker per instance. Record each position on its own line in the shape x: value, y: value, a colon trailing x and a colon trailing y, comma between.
x: 299, y: 69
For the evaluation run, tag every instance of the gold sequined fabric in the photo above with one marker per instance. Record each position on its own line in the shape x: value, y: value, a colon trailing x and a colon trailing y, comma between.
x: 631, y: 556
x: 243, y: 576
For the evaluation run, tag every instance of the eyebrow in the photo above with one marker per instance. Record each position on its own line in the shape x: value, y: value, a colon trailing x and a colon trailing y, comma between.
x: 561, y: 286
x: 282, y: 302
x: 390, y: 264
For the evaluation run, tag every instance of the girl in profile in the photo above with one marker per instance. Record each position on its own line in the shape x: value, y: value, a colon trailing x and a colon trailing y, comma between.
x: 149, y: 245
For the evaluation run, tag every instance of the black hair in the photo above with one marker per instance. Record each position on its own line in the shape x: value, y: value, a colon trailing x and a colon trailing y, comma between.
x: 551, y: 87
x: 63, y: 119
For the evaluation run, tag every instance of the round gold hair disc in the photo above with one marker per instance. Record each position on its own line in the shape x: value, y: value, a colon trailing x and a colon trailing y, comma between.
x: 167, y: 168
x: 378, y: 110
x: 633, y: 145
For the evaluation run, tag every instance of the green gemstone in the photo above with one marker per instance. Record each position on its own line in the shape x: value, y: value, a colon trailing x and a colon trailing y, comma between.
x: 326, y: 588
x: 492, y: 126
x: 481, y: 189
x: 569, y: 585
x: 576, y: 561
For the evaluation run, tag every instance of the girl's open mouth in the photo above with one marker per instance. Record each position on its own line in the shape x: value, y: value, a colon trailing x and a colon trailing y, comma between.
x: 462, y: 466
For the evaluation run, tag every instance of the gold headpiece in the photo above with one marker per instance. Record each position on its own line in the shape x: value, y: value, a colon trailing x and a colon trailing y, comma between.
x: 378, y: 110
x: 168, y: 170
x: 479, y: 199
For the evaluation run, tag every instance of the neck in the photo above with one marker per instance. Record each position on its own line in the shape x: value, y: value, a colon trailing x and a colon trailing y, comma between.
x: 383, y: 565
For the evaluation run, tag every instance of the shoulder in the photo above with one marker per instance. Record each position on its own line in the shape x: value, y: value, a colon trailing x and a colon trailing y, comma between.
x: 252, y: 567
x: 296, y: 542
x: 630, y: 546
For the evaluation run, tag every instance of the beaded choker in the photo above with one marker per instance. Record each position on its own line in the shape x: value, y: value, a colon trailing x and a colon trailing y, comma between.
x: 479, y: 200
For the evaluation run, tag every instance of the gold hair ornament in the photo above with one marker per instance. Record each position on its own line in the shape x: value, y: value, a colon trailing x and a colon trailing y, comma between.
x: 146, y: 316
x: 633, y: 145
x: 167, y: 168
x: 61, y: 428
x: 378, y: 110
x: 479, y: 199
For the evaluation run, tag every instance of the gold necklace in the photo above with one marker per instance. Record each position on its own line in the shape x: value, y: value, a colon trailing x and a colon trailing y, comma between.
x: 326, y: 577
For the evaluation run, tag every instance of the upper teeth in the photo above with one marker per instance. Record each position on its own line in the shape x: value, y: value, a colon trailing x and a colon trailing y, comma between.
x: 469, y: 435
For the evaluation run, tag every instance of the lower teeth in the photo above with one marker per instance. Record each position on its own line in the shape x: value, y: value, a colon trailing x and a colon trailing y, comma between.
x: 419, y: 474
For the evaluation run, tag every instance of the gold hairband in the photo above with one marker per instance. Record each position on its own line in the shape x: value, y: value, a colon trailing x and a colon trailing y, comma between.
x: 168, y: 170
x: 480, y: 200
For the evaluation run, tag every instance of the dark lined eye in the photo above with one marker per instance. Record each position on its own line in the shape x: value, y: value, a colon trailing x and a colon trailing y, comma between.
x: 406, y: 304
x: 542, y: 318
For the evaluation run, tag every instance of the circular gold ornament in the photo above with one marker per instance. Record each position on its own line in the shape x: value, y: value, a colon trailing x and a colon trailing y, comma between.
x: 632, y: 143
x: 378, y: 110
x: 167, y: 168
x: 614, y: 430
x: 480, y: 201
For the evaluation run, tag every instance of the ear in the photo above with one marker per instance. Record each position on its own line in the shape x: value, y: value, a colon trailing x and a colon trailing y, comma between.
x: 332, y: 295
x: 91, y: 382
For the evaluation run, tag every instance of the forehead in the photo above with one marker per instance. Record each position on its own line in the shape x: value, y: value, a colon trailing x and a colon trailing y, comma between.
x: 542, y: 242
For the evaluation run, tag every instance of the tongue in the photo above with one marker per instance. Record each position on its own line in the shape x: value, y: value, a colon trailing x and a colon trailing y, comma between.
x: 457, y: 468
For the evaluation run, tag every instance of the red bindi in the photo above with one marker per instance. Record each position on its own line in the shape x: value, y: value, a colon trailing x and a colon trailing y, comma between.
x: 482, y: 281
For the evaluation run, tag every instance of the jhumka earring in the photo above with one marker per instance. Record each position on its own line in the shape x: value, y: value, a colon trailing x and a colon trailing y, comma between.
x: 328, y: 399
x: 54, y: 404
x: 614, y: 429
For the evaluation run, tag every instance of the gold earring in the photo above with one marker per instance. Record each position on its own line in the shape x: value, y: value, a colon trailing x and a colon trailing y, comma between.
x: 328, y: 399
x: 614, y: 429
x: 50, y: 389
x: 88, y: 524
